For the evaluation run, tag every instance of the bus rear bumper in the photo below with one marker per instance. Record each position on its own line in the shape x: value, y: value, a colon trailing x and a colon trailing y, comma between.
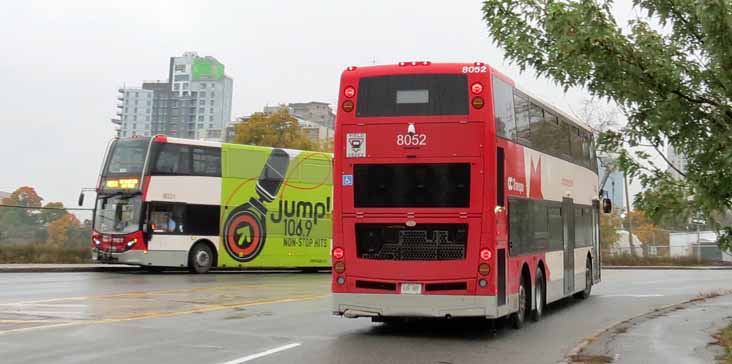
x: 169, y: 258
x: 352, y: 305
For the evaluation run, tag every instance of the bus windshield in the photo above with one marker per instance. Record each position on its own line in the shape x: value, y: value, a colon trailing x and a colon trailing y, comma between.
x: 118, y: 214
x: 127, y: 156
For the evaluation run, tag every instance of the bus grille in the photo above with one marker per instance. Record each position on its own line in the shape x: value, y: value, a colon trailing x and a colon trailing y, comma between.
x: 421, y: 243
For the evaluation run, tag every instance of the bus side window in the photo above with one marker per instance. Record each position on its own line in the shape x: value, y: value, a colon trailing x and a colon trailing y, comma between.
x: 503, y: 108
x: 167, y: 218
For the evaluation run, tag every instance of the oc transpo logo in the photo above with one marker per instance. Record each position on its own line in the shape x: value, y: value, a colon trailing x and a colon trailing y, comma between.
x: 514, y: 185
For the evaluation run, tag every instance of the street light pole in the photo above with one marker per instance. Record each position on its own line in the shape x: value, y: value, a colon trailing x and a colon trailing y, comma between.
x: 630, y: 223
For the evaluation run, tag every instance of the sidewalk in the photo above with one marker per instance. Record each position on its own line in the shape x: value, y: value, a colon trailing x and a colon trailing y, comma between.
x: 50, y: 268
x: 675, y: 267
x: 678, y: 334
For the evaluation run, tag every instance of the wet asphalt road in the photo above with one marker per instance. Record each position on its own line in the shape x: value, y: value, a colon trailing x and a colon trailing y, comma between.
x: 285, y: 318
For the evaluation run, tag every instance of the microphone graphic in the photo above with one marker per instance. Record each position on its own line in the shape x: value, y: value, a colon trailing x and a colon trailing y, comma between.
x: 245, y: 231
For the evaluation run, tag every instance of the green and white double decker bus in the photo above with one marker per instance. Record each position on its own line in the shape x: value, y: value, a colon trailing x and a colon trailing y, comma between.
x: 168, y: 202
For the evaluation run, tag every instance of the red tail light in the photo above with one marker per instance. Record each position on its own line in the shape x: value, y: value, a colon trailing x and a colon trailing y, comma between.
x: 486, y: 254
x: 476, y: 88
x: 347, y: 106
x: 349, y: 92
x: 338, y: 253
x: 339, y: 267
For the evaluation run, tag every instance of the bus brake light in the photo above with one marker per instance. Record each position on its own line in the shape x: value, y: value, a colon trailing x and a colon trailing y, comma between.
x: 486, y: 254
x: 347, y: 106
x: 349, y: 92
x: 338, y: 253
x: 476, y: 88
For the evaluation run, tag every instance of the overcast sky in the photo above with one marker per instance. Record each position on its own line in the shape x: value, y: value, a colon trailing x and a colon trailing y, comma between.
x: 62, y: 62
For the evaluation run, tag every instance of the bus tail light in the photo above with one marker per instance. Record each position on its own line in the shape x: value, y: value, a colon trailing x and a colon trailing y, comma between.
x: 484, y: 269
x: 347, y: 106
x: 338, y: 253
x: 339, y: 267
x: 476, y: 88
x: 349, y: 92
x: 478, y: 102
x: 486, y: 254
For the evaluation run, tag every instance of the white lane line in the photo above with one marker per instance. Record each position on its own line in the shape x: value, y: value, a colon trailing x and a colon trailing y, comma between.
x: 264, y: 353
x: 632, y: 295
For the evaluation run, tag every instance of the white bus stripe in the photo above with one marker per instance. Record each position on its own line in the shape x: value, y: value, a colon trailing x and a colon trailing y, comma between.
x: 263, y: 353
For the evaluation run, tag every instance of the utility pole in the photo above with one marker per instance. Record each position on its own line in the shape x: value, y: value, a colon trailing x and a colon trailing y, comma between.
x: 627, y: 216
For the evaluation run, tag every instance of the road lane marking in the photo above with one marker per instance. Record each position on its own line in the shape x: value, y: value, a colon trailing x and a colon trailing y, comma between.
x: 632, y: 295
x: 134, y: 294
x: 154, y: 315
x: 263, y: 353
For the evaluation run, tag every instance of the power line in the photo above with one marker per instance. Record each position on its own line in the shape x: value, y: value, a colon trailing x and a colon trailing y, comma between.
x: 47, y: 208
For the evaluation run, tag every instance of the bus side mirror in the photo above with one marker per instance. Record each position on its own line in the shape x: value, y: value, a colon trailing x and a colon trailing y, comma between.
x: 607, y: 205
x: 81, y: 198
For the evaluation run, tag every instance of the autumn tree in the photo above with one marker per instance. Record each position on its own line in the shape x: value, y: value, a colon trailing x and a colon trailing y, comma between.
x: 52, y: 211
x: 609, y: 226
x: 670, y: 72
x: 278, y: 129
x: 60, y: 230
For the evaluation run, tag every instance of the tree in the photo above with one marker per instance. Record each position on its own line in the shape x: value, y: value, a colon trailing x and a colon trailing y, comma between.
x: 62, y: 230
x: 52, y: 211
x: 277, y: 129
x: 609, y: 226
x: 674, y: 85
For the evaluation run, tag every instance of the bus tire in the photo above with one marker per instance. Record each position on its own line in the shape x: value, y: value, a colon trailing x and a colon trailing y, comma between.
x: 201, y: 258
x: 519, y: 317
x: 588, y: 282
x: 540, y: 294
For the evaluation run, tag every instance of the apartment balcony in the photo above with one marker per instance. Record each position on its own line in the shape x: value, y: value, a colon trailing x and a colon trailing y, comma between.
x: 121, y: 98
x: 119, y: 113
x: 120, y: 106
x: 116, y: 121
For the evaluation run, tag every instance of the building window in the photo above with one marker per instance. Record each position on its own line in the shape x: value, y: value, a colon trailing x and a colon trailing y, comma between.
x: 147, y: 118
x: 211, y: 118
x: 201, y: 110
x: 185, y: 86
x: 134, y: 118
x: 202, y: 102
x: 213, y: 85
x: 180, y: 68
x: 212, y: 110
x: 202, y: 94
x: 202, y: 86
x: 200, y: 125
x: 210, y: 126
x: 213, y: 94
x: 212, y: 102
x: 185, y: 93
x: 176, y: 86
x: 181, y: 77
x: 200, y: 117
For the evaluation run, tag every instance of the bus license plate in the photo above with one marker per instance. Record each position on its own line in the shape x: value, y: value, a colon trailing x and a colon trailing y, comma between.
x: 411, y: 288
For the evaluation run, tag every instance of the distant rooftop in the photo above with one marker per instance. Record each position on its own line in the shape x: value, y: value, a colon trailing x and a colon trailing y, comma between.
x: 4, y: 195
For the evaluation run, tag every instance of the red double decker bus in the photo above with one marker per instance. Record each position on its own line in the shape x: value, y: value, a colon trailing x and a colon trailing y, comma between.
x: 458, y: 194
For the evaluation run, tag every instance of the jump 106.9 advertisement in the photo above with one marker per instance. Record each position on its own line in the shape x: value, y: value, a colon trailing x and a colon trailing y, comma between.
x: 276, y: 207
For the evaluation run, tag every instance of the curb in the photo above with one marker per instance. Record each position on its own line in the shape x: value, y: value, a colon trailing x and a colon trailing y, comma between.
x: 68, y: 269
x: 588, y: 340
x: 667, y: 267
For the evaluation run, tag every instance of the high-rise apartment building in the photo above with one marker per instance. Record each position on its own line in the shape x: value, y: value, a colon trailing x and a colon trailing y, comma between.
x: 194, y: 103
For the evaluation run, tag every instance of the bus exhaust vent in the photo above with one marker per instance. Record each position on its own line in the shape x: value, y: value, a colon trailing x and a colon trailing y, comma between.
x: 384, y: 286
x: 427, y: 242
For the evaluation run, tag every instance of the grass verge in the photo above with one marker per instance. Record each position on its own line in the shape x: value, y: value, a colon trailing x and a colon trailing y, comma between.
x: 724, y: 339
x: 43, y: 253
x: 630, y: 260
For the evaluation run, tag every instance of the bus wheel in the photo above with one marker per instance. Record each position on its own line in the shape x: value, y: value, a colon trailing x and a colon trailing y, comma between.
x: 539, y: 293
x: 200, y: 259
x: 518, y: 317
x: 588, y: 282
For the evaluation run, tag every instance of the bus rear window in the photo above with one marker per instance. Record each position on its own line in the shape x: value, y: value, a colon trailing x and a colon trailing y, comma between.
x: 413, y: 95
x: 412, y: 185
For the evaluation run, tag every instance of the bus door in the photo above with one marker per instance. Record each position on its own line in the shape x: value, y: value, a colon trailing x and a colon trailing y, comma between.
x: 568, y: 222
